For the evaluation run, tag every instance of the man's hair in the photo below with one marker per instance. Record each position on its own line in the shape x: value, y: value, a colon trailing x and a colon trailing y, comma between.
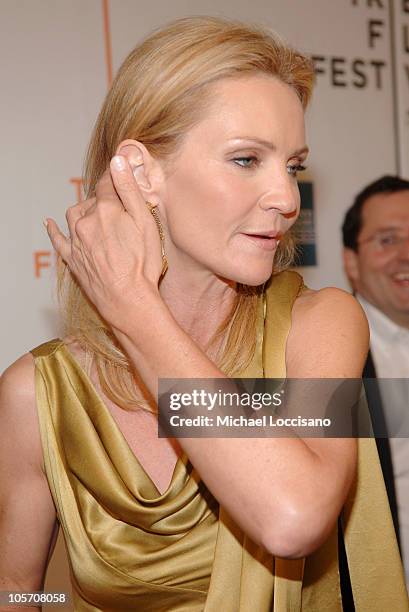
x: 353, y: 218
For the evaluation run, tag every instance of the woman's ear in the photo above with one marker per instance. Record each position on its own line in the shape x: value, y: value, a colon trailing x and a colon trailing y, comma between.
x: 145, y: 168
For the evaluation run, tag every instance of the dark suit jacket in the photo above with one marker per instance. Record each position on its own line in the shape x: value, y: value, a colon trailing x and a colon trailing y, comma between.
x: 377, y: 413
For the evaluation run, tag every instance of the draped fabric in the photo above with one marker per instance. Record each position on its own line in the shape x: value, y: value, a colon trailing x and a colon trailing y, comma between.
x: 131, y: 548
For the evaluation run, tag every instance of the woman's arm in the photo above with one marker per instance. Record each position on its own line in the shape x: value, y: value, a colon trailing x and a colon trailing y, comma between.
x: 28, y: 526
x: 284, y: 493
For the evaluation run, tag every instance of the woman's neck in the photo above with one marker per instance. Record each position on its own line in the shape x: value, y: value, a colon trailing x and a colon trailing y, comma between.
x: 199, y: 304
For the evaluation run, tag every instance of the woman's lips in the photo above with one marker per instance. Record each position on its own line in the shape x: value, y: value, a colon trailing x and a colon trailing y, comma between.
x: 263, y: 242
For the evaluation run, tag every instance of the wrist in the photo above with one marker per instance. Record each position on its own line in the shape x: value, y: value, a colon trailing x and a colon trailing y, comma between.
x: 138, y: 314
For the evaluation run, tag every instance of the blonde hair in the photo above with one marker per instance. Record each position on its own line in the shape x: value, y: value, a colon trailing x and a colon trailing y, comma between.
x: 158, y: 95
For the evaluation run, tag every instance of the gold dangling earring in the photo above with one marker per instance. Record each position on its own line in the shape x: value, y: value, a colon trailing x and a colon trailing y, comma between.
x: 152, y: 208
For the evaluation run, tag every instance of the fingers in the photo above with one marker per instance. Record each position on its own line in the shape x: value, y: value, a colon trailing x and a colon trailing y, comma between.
x: 87, y: 206
x: 105, y: 189
x: 61, y: 244
x: 117, y: 187
x: 75, y: 213
x: 116, y: 190
x: 126, y: 186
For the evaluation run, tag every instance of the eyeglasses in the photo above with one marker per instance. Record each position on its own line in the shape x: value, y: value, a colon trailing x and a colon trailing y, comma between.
x: 387, y: 241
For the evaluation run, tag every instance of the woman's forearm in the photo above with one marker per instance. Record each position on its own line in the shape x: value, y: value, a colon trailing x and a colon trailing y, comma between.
x: 278, y: 490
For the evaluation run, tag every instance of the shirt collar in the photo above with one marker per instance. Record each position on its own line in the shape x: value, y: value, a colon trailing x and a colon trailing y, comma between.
x: 379, y: 322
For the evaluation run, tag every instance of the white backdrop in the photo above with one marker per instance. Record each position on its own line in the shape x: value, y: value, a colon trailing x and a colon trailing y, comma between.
x: 56, y: 75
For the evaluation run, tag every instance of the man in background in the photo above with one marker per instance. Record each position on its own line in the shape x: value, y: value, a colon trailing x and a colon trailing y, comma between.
x: 376, y: 259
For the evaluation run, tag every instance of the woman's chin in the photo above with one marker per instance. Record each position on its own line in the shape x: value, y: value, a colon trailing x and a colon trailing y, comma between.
x: 252, y: 277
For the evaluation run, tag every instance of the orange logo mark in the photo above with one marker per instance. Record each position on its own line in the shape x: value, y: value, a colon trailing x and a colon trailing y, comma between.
x: 41, y: 260
x: 107, y: 40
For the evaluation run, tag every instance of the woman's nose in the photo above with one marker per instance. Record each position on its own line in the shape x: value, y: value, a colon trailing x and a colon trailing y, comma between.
x: 283, y: 196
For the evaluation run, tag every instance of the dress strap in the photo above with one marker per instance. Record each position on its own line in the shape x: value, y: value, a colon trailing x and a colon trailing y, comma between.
x: 47, y: 348
x: 281, y: 294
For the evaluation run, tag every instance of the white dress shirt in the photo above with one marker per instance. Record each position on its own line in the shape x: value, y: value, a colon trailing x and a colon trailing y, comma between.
x: 390, y: 353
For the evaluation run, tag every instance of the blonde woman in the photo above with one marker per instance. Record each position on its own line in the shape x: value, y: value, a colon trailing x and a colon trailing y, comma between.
x: 201, y: 136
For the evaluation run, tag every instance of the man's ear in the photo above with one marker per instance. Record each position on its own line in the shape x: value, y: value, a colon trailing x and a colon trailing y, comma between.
x: 146, y: 169
x: 351, y: 266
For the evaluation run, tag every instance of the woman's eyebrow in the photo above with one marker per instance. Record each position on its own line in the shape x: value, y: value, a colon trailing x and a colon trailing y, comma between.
x: 268, y: 144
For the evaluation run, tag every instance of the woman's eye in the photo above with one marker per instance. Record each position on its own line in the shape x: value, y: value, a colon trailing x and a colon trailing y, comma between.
x: 246, y: 162
x: 293, y: 170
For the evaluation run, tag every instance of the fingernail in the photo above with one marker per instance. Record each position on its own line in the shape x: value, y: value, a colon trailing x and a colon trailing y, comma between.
x: 45, y: 223
x: 119, y: 162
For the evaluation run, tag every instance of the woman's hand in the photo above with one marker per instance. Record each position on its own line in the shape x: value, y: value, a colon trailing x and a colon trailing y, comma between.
x: 113, y: 248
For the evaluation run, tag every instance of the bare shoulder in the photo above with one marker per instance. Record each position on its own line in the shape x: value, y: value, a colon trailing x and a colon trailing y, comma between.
x: 333, y: 325
x: 27, y: 512
x: 17, y: 384
x: 18, y: 410
x: 327, y: 304
x: 20, y: 373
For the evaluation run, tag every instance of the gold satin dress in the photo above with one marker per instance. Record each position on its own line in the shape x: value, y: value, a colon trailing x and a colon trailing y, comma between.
x: 131, y: 548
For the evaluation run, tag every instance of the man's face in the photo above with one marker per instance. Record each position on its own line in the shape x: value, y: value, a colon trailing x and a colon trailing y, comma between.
x: 379, y: 271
